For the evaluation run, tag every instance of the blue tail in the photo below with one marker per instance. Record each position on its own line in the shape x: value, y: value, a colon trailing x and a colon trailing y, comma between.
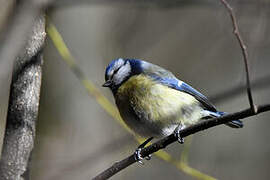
x: 233, y: 123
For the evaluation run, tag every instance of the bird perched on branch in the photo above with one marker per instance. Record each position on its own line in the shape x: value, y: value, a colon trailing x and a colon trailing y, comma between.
x: 153, y: 102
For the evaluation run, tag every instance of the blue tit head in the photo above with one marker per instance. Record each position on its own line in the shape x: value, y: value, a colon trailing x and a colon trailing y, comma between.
x: 120, y: 70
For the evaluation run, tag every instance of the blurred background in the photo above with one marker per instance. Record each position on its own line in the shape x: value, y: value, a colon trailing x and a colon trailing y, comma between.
x: 77, y: 139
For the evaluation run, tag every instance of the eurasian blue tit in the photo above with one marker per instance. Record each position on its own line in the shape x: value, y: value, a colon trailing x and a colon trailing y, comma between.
x: 153, y: 102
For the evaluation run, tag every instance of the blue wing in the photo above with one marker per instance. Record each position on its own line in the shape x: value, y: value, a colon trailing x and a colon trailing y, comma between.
x: 181, y: 86
x: 167, y: 78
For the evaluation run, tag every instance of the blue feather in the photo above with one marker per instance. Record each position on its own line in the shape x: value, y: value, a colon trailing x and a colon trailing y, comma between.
x: 136, y: 66
x: 181, y: 86
x: 233, y: 123
x: 109, y: 67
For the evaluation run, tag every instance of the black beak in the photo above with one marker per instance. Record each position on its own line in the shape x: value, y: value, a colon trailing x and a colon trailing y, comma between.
x: 107, y: 83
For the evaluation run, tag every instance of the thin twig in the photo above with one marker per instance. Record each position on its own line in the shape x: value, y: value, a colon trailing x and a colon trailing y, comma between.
x: 244, y: 53
x: 203, y: 125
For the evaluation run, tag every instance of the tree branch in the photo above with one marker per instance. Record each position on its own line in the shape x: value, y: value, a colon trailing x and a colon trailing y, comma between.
x: 13, y: 38
x: 23, y: 107
x: 203, y: 125
x: 244, y: 52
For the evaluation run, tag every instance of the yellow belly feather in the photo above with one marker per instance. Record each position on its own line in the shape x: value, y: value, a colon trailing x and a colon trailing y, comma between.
x: 162, y: 104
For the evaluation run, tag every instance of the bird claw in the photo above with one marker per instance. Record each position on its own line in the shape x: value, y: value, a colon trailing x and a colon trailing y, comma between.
x: 137, y: 154
x: 148, y: 157
x: 180, y: 139
x: 138, y: 157
x: 177, y: 133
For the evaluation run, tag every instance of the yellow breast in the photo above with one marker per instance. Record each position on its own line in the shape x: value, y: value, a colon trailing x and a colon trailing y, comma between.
x: 157, y: 103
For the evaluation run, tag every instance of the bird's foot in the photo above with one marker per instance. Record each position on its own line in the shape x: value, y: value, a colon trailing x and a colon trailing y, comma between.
x: 137, y: 154
x: 177, y: 133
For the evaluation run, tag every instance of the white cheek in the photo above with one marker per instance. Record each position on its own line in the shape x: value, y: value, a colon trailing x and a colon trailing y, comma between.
x: 121, y: 75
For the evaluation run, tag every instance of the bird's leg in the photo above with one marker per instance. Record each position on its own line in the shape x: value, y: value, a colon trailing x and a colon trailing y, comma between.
x: 137, y: 153
x: 177, y: 133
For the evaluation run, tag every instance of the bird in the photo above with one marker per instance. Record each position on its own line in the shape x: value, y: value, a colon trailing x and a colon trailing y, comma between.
x: 153, y: 102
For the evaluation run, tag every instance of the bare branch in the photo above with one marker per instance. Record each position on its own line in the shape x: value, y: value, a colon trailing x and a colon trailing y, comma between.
x: 244, y: 52
x: 203, y: 125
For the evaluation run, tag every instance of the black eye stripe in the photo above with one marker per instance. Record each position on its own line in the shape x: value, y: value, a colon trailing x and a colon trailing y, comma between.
x: 115, y: 72
x: 118, y: 69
